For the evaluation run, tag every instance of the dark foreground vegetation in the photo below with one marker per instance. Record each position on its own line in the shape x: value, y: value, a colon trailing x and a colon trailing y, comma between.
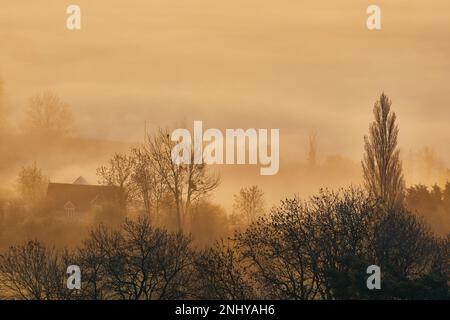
x: 317, y: 249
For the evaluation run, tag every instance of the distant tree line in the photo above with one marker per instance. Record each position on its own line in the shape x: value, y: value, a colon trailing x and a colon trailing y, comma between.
x: 432, y: 204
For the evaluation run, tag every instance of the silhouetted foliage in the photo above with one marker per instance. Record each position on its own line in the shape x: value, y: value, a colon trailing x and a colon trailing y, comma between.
x: 136, y: 262
x: 315, y: 249
x: 381, y: 165
x: 433, y: 204
x: 32, y: 271
x: 222, y: 273
x: 320, y: 249
x: 409, y: 254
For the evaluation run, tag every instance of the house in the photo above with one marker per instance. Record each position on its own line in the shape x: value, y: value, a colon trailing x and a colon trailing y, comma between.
x: 79, y: 197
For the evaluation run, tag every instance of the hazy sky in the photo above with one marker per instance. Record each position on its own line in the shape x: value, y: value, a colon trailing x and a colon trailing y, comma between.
x: 299, y: 66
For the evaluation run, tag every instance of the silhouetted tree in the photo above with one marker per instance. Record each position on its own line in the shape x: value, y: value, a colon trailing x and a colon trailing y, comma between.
x: 137, y: 262
x: 48, y: 114
x: 433, y: 204
x: 308, y: 250
x: 147, y: 186
x: 32, y: 271
x: 249, y: 204
x: 408, y: 254
x: 92, y: 257
x: 381, y: 165
x: 118, y: 173
x: 186, y: 183
x: 32, y: 185
x: 148, y: 174
x: 321, y: 248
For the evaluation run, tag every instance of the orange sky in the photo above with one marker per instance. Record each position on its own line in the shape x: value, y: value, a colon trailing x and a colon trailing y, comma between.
x: 299, y: 66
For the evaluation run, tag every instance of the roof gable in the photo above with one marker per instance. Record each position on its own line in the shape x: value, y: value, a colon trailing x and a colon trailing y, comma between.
x: 81, y: 180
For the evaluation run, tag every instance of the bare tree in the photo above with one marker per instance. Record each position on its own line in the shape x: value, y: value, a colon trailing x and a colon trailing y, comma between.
x: 118, y: 173
x: 148, y: 174
x: 382, y: 166
x: 277, y: 258
x: 32, y: 271
x: 147, y: 185
x: 249, y: 204
x: 320, y: 249
x: 187, y: 183
x: 137, y: 262
x: 92, y: 258
x: 48, y: 114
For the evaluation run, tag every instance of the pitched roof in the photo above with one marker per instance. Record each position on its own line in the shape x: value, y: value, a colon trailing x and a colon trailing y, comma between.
x: 82, y: 196
x: 80, y: 180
